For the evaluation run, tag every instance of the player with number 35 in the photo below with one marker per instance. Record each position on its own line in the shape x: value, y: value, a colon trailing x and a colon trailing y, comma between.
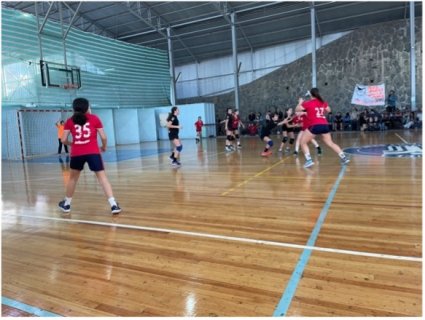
x: 84, y: 128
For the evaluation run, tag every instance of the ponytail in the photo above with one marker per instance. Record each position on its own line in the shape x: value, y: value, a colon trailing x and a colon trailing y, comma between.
x: 315, y: 93
x: 80, y: 107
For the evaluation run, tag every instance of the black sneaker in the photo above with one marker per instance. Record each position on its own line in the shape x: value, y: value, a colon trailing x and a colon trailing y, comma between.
x: 319, y: 151
x: 171, y: 158
x: 175, y: 163
x: 295, y: 153
x: 115, y: 209
x: 63, y: 207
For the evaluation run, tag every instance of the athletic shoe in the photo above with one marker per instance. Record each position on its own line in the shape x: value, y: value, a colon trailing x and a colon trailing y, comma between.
x: 280, y: 150
x: 197, y: 140
x: 115, y: 209
x: 266, y: 153
x: 287, y: 149
x: 176, y: 163
x: 171, y: 158
x: 319, y: 150
x: 296, y: 153
x: 232, y: 147
x: 308, y: 163
x: 345, y: 161
x: 228, y: 148
x: 63, y: 207
x: 239, y: 146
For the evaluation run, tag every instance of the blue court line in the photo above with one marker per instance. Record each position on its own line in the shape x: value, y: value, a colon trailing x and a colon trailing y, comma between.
x: 285, y: 301
x: 27, y: 308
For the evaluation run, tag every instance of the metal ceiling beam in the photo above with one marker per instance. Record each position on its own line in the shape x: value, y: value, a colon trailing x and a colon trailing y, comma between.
x: 159, y: 22
x: 102, y: 29
x: 199, y: 20
x: 72, y: 20
x: 225, y: 13
x: 146, y: 20
x: 45, y: 18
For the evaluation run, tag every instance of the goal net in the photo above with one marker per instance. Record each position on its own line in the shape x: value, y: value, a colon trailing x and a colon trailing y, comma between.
x: 35, y: 131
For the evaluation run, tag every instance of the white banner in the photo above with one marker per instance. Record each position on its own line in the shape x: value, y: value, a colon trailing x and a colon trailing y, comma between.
x: 369, y: 95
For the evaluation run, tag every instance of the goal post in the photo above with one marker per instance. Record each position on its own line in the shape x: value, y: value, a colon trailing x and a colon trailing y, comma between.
x: 37, y: 132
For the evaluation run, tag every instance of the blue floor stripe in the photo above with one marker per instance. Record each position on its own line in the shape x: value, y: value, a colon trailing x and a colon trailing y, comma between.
x: 27, y: 308
x: 285, y: 301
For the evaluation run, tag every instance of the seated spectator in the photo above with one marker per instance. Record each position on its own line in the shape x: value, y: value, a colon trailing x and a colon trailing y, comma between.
x: 330, y: 117
x: 347, y: 121
x: 363, y: 121
x: 419, y: 118
x: 338, y: 122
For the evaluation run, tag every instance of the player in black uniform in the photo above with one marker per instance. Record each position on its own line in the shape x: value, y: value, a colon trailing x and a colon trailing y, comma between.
x: 266, y: 130
x: 173, y: 134
x: 288, y: 131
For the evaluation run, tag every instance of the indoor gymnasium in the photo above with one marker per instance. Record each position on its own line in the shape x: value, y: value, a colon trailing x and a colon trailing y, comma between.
x: 211, y: 159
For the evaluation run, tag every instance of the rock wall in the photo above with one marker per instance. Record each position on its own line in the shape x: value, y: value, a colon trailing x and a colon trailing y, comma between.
x: 370, y: 55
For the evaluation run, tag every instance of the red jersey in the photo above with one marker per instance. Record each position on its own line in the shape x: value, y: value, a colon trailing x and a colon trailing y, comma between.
x: 84, y: 138
x: 297, y: 121
x: 315, y: 112
x: 236, y: 120
x: 198, y: 125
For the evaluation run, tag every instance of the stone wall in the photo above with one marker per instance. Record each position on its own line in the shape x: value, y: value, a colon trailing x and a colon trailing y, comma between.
x: 369, y: 55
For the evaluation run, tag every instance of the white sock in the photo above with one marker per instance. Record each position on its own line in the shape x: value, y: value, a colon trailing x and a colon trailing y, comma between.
x: 341, y: 155
x: 112, y: 201
x: 307, y: 157
x: 68, y: 201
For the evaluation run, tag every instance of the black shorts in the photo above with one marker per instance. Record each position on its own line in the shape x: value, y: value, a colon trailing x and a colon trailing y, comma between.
x: 94, y: 160
x: 287, y: 129
x: 319, y: 129
x: 263, y: 135
x: 173, y: 136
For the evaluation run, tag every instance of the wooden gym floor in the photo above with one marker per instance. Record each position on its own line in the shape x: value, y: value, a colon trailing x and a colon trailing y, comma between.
x: 227, y: 234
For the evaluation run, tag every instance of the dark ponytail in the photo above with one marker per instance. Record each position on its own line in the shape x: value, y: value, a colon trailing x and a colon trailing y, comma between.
x: 171, y: 114
x: 80, y: 107
x: 315, y: 93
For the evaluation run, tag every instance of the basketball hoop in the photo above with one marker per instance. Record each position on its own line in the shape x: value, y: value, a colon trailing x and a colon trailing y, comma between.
x: 69, y: 86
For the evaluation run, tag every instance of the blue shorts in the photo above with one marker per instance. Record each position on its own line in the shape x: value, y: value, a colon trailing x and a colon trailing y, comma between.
x: 319, y: 129
x: 94, y: 160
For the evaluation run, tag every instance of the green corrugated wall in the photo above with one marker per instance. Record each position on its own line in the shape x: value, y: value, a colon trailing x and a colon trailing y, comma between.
x: 113, y: 73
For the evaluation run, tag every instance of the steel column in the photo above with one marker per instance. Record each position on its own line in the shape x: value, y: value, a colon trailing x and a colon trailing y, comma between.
x: 412, y: 58
x: 313, y: 46
x: 235, y: 59
x: 172, y: 72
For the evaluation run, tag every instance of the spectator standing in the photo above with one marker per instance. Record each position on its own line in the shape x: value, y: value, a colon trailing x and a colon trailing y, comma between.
x: 354, y: 115
x: 60, y: 125
x: 391, y: 101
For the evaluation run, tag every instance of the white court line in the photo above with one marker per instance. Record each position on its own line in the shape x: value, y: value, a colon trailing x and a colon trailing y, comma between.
x: 229, y: 238
x: 401, y: 138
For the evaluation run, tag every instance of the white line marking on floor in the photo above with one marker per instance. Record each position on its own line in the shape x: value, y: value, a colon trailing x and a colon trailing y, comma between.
x: 229, y: 238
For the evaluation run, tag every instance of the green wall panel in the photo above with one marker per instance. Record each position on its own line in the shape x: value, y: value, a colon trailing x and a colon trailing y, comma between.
x: 113, y: 73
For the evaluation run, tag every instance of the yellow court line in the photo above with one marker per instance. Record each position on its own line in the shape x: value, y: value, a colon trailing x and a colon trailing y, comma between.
x: 255, y: 176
